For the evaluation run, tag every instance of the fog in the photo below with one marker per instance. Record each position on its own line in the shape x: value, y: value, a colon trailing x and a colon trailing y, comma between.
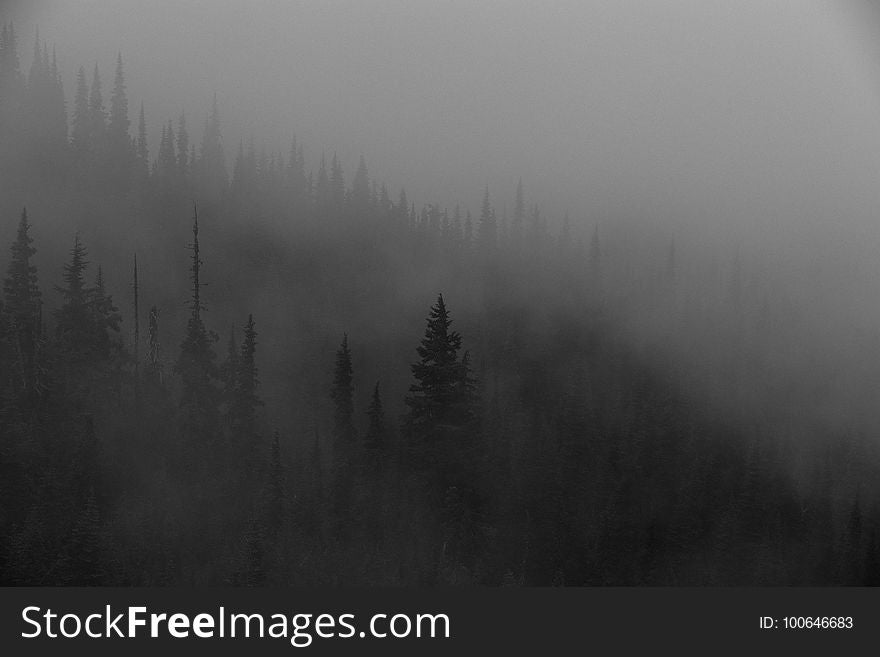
x: 750, y: 119
x: 717, y: 162
x: 745, y: 132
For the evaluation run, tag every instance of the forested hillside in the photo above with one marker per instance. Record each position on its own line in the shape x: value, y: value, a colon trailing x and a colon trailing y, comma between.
x: 222, y: 365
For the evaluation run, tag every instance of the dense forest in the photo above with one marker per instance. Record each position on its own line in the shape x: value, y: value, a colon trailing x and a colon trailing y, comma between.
x: 335, y: 386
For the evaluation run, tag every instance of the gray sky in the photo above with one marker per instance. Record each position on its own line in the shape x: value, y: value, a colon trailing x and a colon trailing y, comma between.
x: 753, y: 118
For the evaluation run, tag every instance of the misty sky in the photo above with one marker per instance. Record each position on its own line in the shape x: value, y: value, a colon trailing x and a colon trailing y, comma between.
x: 757, y: 118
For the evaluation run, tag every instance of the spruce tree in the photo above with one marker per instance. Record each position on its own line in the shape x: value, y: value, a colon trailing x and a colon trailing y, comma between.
x: 195, y: 364
x: 97, y: 113
x: 519, y: 217
x: 275, y: 491
x: 21, y: 307
x: 374, y: 440
x: 337, y: 185
x: 74, y: 319
x: 81, y: 128
x: 229, y: 377
x: 360, y: 189
x: 183, y: 163
x: 245, y: 399
x: 141, y: 149
x: 106, y: 317
x: 441, y: 402
x: 117, y: 129
x: 342, y: 393
x: 212, y: 164
x: 488, y: 228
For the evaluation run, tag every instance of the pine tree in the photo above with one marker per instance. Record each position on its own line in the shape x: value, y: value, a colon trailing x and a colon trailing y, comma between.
x: 80, y: 134
x: 360, y: 189
x: 441, y: 401
x: 275, y: 491
x: 536, y: 231
x: 442, y: 434
x: 106, y: 317
x: 374, y: 440
x: 11, y: 81
x: 10, y: 70
x: 342, y: 393
x: 212, y: 165
x: 183, y: 163
x: 229, y: 377
x: 323, y: 193
x: 97, y: 113
x: 166, y: 163
x: 57, y: 112
x: 74, y: 320
x: 154, y: 358
x: 195, y: 364
x: 117, y: 130
x: 337, y: 186
x: 136, y: 313
x: 519, y: 218
x: 21, y: 307
x: 488, y: 228
x: 141, y: 150
x: 296, y: 176
x: 245, y: 398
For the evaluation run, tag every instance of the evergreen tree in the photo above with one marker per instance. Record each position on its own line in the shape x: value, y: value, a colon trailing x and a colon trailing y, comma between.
x: 21, y: 307
x: 519, y: 218
x: 166, y: 162
x: 137, y: 315
x: 212, y: 165
x: 323, y: 193
x: 488, y: 228
x: 536, y: 231
x: 141, y: 150
x: 360, y: 189
x: 80, y: 133
x: 229, y: 376
x: 10, y: 68
x: 117, y: 130
x: 154, y: 358
x: 337, y: 185
x: 97, y: 113
x: 441, y: 401
x: 374, y: 440
x: 342, y: 393
x: 74, y: 320
x: 275, y: 491
x: 183, y: 163
x: 195, y: 364
x: 106, y: 317
x: 245, y: 398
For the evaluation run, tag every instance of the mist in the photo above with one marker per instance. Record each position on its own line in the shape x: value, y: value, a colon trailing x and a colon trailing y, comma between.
x: 699, y: 222
x: 750, y: 120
